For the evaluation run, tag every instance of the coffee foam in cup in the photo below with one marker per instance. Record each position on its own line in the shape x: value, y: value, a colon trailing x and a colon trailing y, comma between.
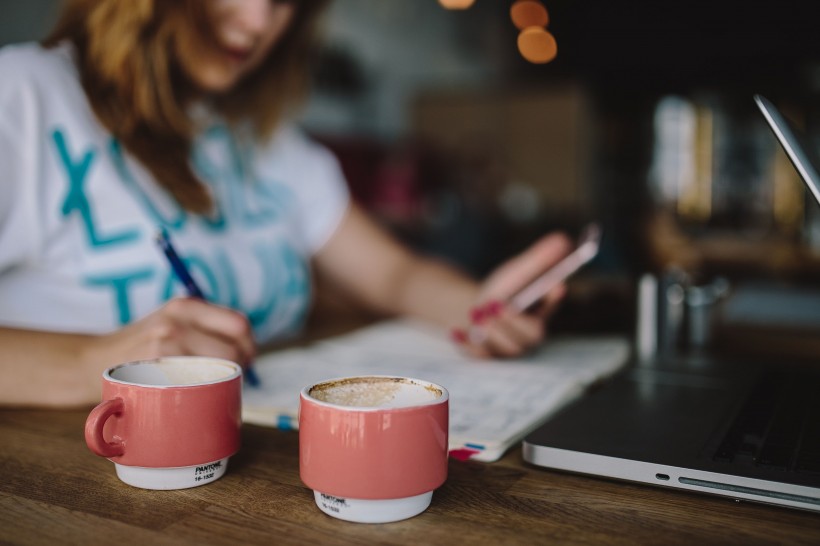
x: 374, y: 392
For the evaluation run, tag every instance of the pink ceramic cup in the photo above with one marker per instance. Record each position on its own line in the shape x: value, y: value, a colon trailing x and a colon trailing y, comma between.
x: 373, y: 448
x: 169, y: 423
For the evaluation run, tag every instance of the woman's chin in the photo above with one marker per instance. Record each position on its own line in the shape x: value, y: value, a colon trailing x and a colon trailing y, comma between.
x: 215, y: 83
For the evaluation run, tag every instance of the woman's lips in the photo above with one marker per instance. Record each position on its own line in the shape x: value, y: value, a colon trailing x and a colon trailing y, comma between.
x: 238, y: 54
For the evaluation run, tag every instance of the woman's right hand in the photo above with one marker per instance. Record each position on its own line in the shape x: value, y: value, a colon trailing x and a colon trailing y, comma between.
x: 181, y: 327
x: 57, y: 370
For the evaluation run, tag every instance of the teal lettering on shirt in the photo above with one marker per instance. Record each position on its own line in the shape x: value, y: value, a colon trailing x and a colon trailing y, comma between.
x: 248, y: 198
x: 296, y: 276
x: 289, y: 279
x: 119, y: 284
x: 199, y: 269
x: 285, y: 290
x: 268, y: 302
x: 216, y: 221
x: 226, y: 272
x: 174, y: 221
x: 262, y: 309
x: 76, y: 199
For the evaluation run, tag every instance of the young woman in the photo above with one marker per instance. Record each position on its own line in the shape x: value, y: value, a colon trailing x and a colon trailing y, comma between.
x: 145, y: 115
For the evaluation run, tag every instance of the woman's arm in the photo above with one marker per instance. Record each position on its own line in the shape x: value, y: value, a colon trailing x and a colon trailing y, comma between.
x: 366, y: 262
x: 48, y: 369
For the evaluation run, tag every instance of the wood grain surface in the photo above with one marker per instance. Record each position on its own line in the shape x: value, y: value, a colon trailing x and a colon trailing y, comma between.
x: 53, y: 490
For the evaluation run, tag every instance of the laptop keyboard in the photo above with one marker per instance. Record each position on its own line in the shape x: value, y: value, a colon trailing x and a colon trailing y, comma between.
x: 778, y: 425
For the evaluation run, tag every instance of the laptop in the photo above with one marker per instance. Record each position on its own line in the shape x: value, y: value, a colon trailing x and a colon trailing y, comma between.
x: 741, y: 429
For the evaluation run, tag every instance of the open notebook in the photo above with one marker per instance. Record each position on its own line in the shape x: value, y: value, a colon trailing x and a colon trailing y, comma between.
x: 493, y: 404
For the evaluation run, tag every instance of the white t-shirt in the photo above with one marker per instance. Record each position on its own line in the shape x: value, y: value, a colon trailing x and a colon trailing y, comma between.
x: 78, y: 214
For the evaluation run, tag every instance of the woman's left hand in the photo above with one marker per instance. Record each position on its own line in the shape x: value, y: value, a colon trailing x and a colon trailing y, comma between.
x: 498, y: 330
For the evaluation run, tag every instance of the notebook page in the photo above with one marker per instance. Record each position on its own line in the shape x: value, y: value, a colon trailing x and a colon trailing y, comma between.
x: 493, y: 404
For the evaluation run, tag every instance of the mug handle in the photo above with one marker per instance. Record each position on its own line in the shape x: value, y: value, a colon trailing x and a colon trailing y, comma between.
x: 94, y: 428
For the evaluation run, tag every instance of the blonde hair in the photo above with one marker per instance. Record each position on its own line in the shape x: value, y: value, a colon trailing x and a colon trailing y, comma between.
x: 128, y: 71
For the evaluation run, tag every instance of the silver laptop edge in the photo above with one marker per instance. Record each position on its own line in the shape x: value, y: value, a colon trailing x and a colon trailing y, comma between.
x: 736, y: 487
x: 789, y: 141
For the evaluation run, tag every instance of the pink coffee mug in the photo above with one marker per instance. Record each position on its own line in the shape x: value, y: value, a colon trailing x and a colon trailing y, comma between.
x: 168, y: 423
x: 373, y: 448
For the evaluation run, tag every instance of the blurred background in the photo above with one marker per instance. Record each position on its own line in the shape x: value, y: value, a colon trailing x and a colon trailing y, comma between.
x: 643, y: 122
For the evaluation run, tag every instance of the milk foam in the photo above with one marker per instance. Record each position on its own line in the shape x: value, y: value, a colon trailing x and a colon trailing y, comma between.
x: 375, y: 392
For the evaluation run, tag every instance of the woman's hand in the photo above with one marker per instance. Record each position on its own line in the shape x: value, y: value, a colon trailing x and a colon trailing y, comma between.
x: 362, y: 260
x: 58, y: 370
x: 496, y: 329
x: 183, y: 326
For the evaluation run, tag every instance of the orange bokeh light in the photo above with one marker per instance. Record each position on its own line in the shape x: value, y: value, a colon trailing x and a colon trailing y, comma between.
x: 456, y: 4
x: 529, y: 13
x: 537, y: 45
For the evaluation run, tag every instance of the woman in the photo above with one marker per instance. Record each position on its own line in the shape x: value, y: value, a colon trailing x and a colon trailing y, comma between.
x: 144, y: 115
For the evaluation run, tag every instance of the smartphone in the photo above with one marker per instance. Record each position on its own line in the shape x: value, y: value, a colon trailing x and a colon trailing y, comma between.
x: 586, y: 249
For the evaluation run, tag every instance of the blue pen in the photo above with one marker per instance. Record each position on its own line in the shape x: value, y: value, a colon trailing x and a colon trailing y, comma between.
x: 184, y: 276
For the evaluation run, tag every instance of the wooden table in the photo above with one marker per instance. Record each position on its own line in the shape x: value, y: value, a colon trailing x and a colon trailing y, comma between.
x: 53, y: 490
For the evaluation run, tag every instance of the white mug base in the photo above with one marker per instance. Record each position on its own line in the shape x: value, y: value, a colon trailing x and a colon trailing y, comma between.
x: 372, y: 510
x: 180, y: 477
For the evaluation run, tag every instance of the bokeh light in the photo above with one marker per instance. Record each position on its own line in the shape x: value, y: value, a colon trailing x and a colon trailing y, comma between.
x: 456, y: 4
x: 537, y: 45
x: 529, y: 13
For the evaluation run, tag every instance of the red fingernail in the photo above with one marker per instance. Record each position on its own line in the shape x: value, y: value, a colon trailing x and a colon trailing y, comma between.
x: 477, y: 315
x: 494, y: 308
x: 458, y: 335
